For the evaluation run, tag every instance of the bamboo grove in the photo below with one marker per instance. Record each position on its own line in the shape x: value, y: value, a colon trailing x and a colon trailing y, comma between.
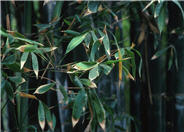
x: 92, y: 66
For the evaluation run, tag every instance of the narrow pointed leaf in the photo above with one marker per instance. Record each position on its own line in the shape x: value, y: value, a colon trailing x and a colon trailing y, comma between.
x: 64, y: 92
x: 88, y: 83
x: 75, y: 42
x: 35, y: 64
x: 48, y: 116
x: 23, y: 59
x: 41, y: 115
x: 79, y: 103
x: 85, y: 65
x: 93, y: 73
x: 44, y: 88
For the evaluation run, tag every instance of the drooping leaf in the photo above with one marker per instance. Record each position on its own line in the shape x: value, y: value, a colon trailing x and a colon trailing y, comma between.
x: 64, y: 92
x: 79, y: 103
x: 105, y: 42
x: 23, y: 59
x: 35, y: 64
x: 161, y: 19
x: 44, y: 88
x: 99, y: 109
x: 85, y: 65
x: 57, y: 9
x: 48, y: 116
x: 94, y: 73
x: 158, y: 9
x: 54, y: 121
x: 41, y: 115
x: 94, y: 50
x: 75, y: 42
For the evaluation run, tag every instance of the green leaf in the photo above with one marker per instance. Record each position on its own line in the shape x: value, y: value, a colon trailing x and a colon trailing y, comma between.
x: 10, y: 59
x: 122, y: 50
x: 140, y: 62
x: 106, y: 68
x: 47, y: 49
x: 93, y: 73
x: 84, y: 66
x: 57, y: 9
x: 105, y: 42
x: 64, y: 92
x: 78, y: 82
x: 41, y: 115
x: 23, y: 59
x: 159, y: 53
x: 44, y: 88
x: 17, y: 79
x: 94, y: 36
x: 35, y: 64
x: 94, y: 49
x: 75, y: 42
x: 88, y: 83
x: 93, y: 6
x: 54, y: 121
x: 79, y: 103
x: 99, y: 109
x: 161, y: 19
x: 48, y: 116
x: 178, y: 4
x: 158, y: 9
x: 72, y: 32
x: 28, y: 41
x: 27, y: 48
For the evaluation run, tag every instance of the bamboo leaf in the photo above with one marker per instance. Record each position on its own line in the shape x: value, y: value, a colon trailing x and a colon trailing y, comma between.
x: 75, y: 42
x: 161, y: 19
x: 47, y: 49
x: 27, y: 48
x: 93, y: 73
x: 35, y: 64
x: 84, y: 65
x: 44, y: 88
x: 23, y: 59
x: 99, y: 109
x: 94, y: 49
x: 41, y: 115
x: 64, y: 92
x: 159, y: 53
x: 48, y: 116
x: 54, y: 121
x: 71, y: 32
x: 79, y: 103
x: 17, y: 79
x: 128, y: 73
x: 105, y: 42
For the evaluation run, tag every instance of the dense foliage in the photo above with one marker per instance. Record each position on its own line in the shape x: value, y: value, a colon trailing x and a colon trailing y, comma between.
x: 58, y: 57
